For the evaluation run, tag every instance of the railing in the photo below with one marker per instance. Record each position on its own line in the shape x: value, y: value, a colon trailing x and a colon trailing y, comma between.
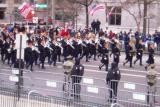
x: 78, y: 92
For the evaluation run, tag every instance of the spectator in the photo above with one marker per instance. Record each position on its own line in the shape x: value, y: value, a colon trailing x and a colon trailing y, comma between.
x: 98, y: 24
x: 93, y: 25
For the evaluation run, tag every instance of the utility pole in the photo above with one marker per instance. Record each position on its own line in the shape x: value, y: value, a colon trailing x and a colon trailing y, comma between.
x: 53, y: 9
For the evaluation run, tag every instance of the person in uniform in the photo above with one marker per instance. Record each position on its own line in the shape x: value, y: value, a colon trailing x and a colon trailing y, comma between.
x: 101, y: 43
x: 41, y: 48
x: 116, y: 53
x: 59, y: 49
x: 85, y: 49
x: 92, y: 47
x: 13, y: 54
x: 112, y: 79
x: 54, y: 52
x: 7, y: 46
x: 130, y: 54
x: 65, y: 46
x: 76, y: 49
x: 151, y: 53
x: 139, y: 52
x: 29, y: 56
x: 105, y: 58
x: 76, y: 75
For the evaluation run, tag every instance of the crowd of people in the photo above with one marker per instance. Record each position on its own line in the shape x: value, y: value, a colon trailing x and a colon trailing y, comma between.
x: 53, y: 43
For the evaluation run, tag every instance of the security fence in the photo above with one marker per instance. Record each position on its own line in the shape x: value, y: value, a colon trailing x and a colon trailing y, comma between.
x: 78, y: 92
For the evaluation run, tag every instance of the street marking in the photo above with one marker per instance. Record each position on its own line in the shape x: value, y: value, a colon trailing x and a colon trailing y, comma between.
x: 92, y: 90
x: 51, y: 84
x: 141, y: 97
x: 129, y: 86
x: 14, y: 78
x: 87, y: 80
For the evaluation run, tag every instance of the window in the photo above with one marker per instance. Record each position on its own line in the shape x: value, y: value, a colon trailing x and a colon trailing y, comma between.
x: 2, y: 13
x: 2, y: 1
x: 115, y: 16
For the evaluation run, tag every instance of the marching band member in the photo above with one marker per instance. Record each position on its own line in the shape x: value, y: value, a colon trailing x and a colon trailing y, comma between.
x: 139, y: 52
x: 105, y: 58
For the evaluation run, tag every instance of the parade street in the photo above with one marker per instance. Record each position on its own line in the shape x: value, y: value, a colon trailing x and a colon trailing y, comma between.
x: 38, y: 77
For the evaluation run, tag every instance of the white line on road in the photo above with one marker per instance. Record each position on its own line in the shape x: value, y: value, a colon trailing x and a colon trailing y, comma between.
x: 94, y: 71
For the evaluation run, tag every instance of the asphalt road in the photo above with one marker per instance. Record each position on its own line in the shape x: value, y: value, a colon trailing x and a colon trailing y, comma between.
x: 132, y: 87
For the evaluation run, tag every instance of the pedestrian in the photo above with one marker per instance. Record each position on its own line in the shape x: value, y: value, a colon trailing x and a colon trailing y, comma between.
x: 112, y: 79
x: 76, y: 74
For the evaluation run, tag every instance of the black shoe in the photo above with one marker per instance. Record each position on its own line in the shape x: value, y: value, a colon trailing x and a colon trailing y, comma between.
x: 43, y: 67
x: 100, y: 68
x: 141, y: 64
x: 146, y: 68
x: 87, y: 61
x: 31, y: 69
x: 54, y: 64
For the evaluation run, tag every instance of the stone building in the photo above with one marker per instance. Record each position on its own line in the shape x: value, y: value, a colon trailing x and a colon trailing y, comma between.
x: 120, y: 19
x: 9, y: 10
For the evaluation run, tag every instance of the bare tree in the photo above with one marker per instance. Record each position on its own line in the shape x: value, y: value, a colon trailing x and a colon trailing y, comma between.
x: 141, y: 13
x: 69, y: 9
x: 85, y: 3
x: 136, y: 13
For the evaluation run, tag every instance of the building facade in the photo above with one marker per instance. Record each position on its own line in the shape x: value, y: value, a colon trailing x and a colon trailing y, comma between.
x: 121, y: 18
x: 9, y: 10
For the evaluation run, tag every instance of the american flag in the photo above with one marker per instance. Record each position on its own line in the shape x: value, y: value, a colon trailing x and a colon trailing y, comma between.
x: 95, y: 7
x: 110, y: 12
x: 25, y: 10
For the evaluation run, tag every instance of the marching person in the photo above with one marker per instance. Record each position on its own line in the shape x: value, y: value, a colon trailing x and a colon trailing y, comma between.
x: 130, y: 54
x: 139, y: 52
x: 85, y: 49
x: 116, y: 53
x: 54, y: 52
x: 112, y: 79
x: 92, y: 47
x: 41, y: 48
x: 151, y: 53
x: 76, y: 74
x: 13, y: 54
x: 105, y: 58
x: 29, y: 56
